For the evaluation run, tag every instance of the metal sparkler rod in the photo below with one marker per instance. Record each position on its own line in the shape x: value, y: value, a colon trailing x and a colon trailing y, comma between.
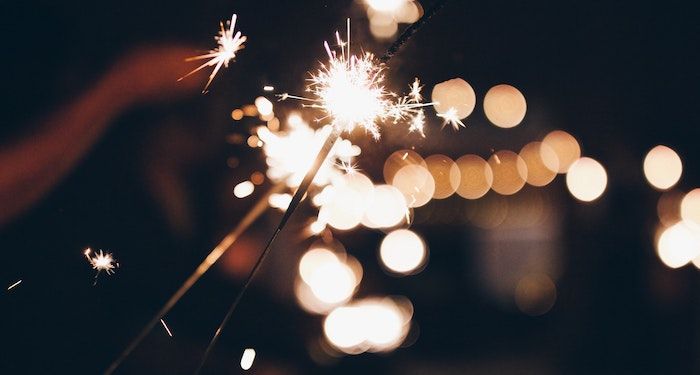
x: 310, y: 175
x: 296, y: 199
x: 213, y: 257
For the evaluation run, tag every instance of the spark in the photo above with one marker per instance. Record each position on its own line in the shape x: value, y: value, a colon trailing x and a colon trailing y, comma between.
x: 451, y: 117
x: 268, y: 88
x: 350, y: 90
x: 14, y: 285
x: 228, y: 44
x: 101, y: 261
x: 166, y: 328
x: 347, y: 167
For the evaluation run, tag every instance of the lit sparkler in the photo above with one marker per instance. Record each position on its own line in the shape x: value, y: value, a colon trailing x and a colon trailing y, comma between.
x: 451, y: 117
x: 350, y: 90
x: 228, y: 44
x: 101, y: 261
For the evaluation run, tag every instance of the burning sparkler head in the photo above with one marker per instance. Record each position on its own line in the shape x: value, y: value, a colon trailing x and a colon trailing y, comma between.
x: 228, y: 44
x: 350, y: 90
x: 101, y: 261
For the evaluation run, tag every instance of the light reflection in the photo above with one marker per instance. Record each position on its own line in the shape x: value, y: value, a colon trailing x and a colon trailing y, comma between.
x: 535, y: 294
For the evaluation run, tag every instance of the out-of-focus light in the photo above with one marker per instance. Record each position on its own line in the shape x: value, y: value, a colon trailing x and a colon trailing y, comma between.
x: 454, y: 94
x: 237, y: 114
x: 254, y: 141
x: 690, y: 207
x: 382, y: 26
x: 257, y: 178
x: 678, y: 244
x: 410, y: 12
x: 398, y: 160
x: 509, y: 172
x: 268, y: 88
x: 505, y: 106
x: 669, y: 207
x: 476, y: 177
x: 387, y: 208
x: 565, y: 147
x: 416, y: 184
x: 317, y: 227
x: 346, y: 206
x: 388, y: 6
x: 247, y: 359
x: 446, y: 174
x: 333, y: 282
x: 313, y: 259
x: 375, y: 325
x: 586, y: 179
x: 534, y: 154
x: 402, y: 251
x: 263, y: 105
x: 250, y: 110
x: 280, y: 201
x: 535, y: 294
x: 243, y: 189
x: 662, y: 167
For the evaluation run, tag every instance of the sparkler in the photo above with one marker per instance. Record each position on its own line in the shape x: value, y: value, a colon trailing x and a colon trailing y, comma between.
x: 228, y: 44
x: 349, y: 91
x: 101, y: 261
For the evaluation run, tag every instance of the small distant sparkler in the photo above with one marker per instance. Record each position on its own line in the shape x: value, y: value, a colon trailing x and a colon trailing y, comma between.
x: 14, y: 285
x: 166, y: 328
x: 350, y: 90
x: 101, y: 261
x: 228, y: 44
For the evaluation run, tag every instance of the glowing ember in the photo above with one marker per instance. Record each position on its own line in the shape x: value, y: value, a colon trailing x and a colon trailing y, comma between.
x: 166, y: 328
x: 228, y: 44
x: 350, y: 90
x: 14, y: 285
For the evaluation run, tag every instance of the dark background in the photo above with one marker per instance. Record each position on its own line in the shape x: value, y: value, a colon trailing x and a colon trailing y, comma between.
x: 620, y: 76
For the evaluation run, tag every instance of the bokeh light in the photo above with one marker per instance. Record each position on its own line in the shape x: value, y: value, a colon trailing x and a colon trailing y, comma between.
x: 243, y: 189
x: 402, y: 251
x: 416, y: 184
x: 669, y: 207
x: 476, y: 177
x: 690, y: 206
x: 509, y: 172
x: 534, y: 154
x: 386, y: 6
x: 346, y: 206
x: 565, y: 147
x: 662, y: 167
x: 445, y: 173
x: 264, y: 106
x: 505, y: 106
x: 386, y: 209
x: 535, y: 294
x: 398, y: 160
x: 678, y: 244
x: 373, y: 324
x: 586, y: 179
x: 247, y: 359
x: 454, y: 94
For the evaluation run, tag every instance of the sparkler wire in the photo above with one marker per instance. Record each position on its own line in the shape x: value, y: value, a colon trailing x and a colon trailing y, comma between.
x: 213, y: 256
x: 308, y: 178
x: 296, y: 199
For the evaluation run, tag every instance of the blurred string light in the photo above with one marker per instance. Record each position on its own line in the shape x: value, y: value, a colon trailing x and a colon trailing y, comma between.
x: 445, y: 173
x: 586, y: 179
x: 679, y: 244
x: 690, y: 207
x: 662, y: 167
x: 476, y: 177
x: 372, y: 324
x: 385, y: 15
x: 535, y: 294
x: 327, y: 279
x: 453, y: 100
x: 243, y: 189
x: 509, y: 172
x: 247, y: 359
x: 228, y: 44
x: 505, y: 106
x: 537, y: 156
x: 566, y: 149
x: 402, y: 252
